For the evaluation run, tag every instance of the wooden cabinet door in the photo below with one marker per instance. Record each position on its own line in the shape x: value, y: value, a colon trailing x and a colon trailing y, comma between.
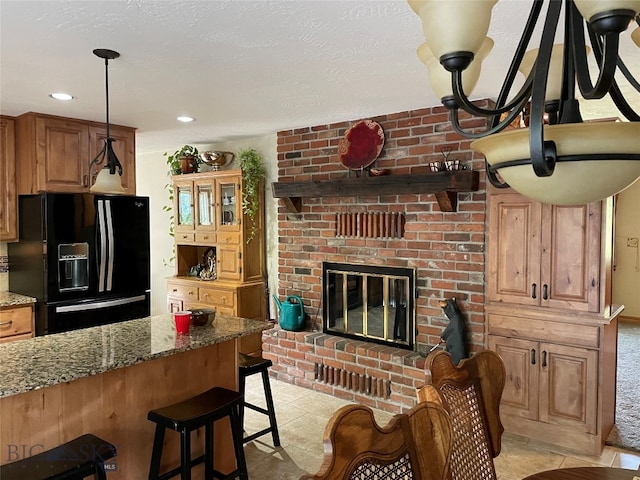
x: 62, y: 152
x: 513, y: 273
x: 206, y: 213
x: 520, y: 357
x: 570, y: 257
x: 229, y: 201
x: 8, y: 193
x: 569, y: 386
x: 124, y: 147
x: 228, y: 262
x: 184, y: 208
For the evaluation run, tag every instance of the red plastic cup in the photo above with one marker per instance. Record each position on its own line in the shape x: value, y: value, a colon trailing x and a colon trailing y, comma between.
x: 183, y: 320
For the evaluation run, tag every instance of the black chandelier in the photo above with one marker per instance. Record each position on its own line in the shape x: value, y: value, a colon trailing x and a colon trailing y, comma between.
x: 557, y: 158
x: 108, y: 179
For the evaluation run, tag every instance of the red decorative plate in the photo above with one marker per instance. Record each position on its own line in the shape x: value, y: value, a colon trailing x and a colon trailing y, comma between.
x: 361, y: 145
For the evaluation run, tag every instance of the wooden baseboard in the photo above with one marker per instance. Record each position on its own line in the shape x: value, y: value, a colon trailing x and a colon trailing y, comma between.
x: 626, y: 318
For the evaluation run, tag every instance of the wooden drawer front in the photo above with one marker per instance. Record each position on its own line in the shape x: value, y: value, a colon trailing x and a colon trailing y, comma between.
x: 225, y: 310
x: 228, y: 237
x: 206, y: 238
x: 219, y: 298
x: 543, y: 330
x: 182, y: 291
x: 185, y: 237
x: 15, y: 321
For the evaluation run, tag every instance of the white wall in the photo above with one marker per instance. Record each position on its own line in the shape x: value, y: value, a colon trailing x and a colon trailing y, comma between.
x: 626, y: 277
x: 151, y: 178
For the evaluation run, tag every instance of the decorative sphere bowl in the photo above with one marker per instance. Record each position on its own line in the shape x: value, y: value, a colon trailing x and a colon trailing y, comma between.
x: 216, y: 159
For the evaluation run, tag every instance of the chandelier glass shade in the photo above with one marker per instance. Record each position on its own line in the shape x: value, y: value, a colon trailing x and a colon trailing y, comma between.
x: 108, y: 178
x: 557, y: 158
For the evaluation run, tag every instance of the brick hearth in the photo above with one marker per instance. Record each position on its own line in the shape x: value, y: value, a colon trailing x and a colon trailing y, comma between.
x: 446, y: 249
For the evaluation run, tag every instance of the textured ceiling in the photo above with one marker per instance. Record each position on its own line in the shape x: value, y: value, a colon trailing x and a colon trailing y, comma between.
x: 241, y: 68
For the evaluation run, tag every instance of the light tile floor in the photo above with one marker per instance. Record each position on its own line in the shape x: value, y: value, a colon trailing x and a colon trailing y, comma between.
x: 302, y: 415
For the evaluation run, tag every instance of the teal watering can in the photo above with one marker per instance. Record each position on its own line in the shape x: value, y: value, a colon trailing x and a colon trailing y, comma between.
x: 291, y: 314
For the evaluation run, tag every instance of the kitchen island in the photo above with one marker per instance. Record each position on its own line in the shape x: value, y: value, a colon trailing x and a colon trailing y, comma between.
x: 103, y: 380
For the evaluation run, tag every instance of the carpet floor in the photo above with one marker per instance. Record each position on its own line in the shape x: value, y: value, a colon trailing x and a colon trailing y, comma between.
x: 626, y: 432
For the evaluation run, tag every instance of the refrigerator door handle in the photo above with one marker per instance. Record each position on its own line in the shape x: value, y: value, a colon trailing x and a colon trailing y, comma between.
x: 109, y: 216
x: 97, y: 305
x: 103, y: 246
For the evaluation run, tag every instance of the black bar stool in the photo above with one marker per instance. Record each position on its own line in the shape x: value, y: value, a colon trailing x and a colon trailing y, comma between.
x: 248, y: 365
x: 74, y: 460
x: 191, y: 414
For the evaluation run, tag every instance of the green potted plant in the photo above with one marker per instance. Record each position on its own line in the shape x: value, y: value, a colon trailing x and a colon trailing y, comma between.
x: 253, y: 174
x: 185, y: 160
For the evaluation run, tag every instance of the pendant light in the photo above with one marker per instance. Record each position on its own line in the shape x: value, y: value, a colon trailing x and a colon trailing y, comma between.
x: 108, y: 179
x: 557, y: 158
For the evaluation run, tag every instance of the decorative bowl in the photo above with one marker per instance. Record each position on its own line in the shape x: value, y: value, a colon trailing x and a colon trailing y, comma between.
x: 216, y: 159
x: 202, y: 317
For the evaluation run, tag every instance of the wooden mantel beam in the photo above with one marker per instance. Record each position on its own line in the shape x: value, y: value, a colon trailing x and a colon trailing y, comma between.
x: 451, y: 182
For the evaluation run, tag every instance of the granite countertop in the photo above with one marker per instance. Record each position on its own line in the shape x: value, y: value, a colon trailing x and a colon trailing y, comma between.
x: 51, y: 359
x: 10, y: 299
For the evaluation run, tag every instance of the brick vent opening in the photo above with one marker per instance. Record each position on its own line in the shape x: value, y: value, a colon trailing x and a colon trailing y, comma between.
x: 366, y: 384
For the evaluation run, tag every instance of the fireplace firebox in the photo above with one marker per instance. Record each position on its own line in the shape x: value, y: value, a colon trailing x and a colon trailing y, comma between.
x: 369, y: 302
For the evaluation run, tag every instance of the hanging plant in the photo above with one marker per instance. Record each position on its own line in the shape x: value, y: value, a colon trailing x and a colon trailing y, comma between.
x: 253, y: 174
x: 172, y: 224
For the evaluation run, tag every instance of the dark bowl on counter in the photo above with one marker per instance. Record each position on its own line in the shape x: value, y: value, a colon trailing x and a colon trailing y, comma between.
x: 202, y: 317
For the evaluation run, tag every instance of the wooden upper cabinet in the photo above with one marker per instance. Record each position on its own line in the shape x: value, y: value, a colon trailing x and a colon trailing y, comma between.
x: 53, y: 153
x: 513, y: 273
x: 124, y: 147
x: 8, y: 196
x: 544, y: 255
x: 570, y: 257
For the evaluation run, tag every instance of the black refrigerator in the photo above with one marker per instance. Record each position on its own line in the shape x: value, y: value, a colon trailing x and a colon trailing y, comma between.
x: 84, y: 257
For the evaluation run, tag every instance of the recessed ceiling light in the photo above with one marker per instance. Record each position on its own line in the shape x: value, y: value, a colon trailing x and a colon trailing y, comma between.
x: 61, y: 96
x: 185, y: 119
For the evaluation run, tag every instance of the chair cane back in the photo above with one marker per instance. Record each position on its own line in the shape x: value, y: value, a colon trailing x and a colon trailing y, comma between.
x: 471, y: 393
x: 413, y: 446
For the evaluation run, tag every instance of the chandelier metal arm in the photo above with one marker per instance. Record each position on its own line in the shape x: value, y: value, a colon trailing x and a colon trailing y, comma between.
x: 501, y: 125
x: 543, y: 153
x: 622, y: 105
x: 463, y: 101
x: 606, y: 62
x: 534, y: 14
x: 569, y: 158
x: 627, y: 74
x: 614, y: 91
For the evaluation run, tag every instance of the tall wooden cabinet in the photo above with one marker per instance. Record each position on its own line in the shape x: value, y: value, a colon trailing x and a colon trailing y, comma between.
x: 210, y: 228
x: 8, y: 195
x: 53, y: 153
x: 549, y: 316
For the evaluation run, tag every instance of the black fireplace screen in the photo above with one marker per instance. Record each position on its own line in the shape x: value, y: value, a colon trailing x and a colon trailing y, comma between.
x: 371, y: 303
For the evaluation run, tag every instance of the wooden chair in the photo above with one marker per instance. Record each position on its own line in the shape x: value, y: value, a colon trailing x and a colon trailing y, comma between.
x: 471, y: 394
x: 415, y: 445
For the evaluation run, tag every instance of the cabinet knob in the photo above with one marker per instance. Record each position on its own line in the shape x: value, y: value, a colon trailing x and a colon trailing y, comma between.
x: 175, y: 289
x: 545, y: 292
x: 533, y: 290
x: 533, y: 356
x: 6, y: 323
x: 544, y: 358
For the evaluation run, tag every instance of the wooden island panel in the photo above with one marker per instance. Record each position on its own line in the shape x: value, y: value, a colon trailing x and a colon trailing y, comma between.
x: 114, y: 406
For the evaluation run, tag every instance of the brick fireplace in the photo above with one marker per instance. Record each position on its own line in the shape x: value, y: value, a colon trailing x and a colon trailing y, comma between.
x: 445, y: 249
